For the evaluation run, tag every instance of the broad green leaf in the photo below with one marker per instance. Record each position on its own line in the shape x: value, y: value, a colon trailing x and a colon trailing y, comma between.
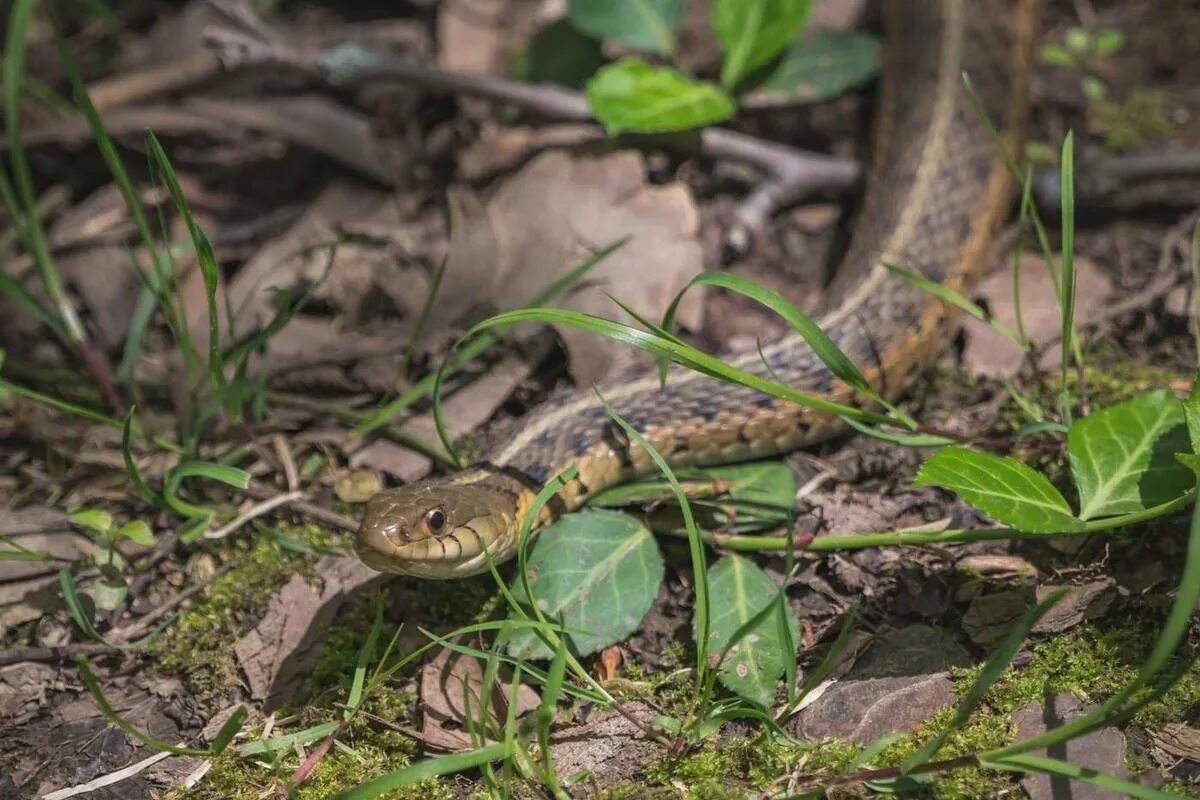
x: 137, y: 531
x: 754, y: 663
x: 752, y: 32
x: 738, y: 497
x: 1123, y: 457
x: 94, y: 519
x: 596, y: 573
x: 633, y: 96
x: 560, y: 54
x: 1003, y: 488
x: 645, y: 24
x: 1191, y: 413
x: 819, y: 68
x: 109, y: 593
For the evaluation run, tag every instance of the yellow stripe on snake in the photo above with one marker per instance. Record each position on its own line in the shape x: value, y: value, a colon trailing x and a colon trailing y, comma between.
x: 936, y: 194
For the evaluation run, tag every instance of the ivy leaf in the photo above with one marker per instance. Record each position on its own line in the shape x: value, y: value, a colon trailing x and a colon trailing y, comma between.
x: 1123, y: 457
x: 818, y: 68
x: 645, y: 24
x: 633, y: 96
x: 752, y: 32
x: 596, y: 573
x: 745, y: 604
x: 1006, y: 490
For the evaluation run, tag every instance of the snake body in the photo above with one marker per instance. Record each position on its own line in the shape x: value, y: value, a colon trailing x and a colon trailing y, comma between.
x: 936, y: 193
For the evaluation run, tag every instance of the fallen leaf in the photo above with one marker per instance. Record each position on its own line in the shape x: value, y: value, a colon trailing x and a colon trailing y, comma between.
x: 278, y: 653
x: 452, y: 688
x: 990, y: 354
x: 1088, y: 601
x: 552, y: 215
x: 24, y: 687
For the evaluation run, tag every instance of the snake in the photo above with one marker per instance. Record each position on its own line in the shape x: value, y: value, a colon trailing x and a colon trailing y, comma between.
x: 938, y: 189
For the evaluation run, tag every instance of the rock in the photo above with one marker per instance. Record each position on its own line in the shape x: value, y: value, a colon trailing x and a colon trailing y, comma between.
x: 1102, y: 750
x: 608, y: 747
x: 898, y: 684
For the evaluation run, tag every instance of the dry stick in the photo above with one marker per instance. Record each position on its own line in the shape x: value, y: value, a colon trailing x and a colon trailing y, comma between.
x: 794, y: 173
x: 310, y: 510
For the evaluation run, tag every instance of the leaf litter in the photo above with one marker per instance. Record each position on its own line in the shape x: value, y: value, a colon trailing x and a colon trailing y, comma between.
x: 510, y: 234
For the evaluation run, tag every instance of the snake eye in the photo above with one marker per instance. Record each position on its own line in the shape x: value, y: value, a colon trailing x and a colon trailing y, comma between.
x: 434, y: 522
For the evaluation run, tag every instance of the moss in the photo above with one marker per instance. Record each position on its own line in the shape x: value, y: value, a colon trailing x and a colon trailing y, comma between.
x: 198, y: 646
x: 985, y: 731
x: 730, y: 768
x: 1093, y: 663
x: 340, y: 769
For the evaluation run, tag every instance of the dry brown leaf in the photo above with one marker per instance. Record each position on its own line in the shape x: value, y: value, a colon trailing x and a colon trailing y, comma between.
x: 553, y: 214
x: 451, y: 688
x: 990, y: 354
x: 481, y: 36
x: 278, y: 653
x: 301, y: 255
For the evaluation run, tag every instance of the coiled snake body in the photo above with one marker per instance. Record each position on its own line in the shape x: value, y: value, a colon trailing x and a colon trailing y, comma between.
x: 936, y: 193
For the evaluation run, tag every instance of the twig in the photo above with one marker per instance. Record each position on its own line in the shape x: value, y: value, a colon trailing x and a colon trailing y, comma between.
x: 793, y: 173
x: 254, y: 512
x: 1101, y: 177
x: 307, y: 509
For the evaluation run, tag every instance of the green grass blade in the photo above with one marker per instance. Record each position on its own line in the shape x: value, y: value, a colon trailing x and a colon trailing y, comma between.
x: 230, y: 476
x: 205, y: 256
x: 9, y: 287
x: 429, y: 768
x: 159, y: 279
x: 365, y: 654
x: 21, y: 553
x: 689, y: 356
x: 75, y: 607
x: 695, y: 543
x: 1052, y: 766
x: 34, y: 236
x: 830, y: 354
x: 288, y: 741
x: 135, y: 477
x: 959, y: 301
x: 1025, y: 207
x: 1067, y: 176
x: 423, y: 318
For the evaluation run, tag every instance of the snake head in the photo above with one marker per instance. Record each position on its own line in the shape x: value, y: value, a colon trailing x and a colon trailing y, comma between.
x: 436, y: 529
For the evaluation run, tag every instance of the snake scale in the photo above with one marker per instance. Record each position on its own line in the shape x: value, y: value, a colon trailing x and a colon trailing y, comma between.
x: 936, y: 193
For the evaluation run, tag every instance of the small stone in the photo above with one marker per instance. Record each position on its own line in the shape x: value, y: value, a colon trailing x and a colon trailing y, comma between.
x: 1102, y: 750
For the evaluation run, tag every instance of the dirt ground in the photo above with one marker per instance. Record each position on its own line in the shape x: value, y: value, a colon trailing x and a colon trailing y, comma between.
x: 276, y: 165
